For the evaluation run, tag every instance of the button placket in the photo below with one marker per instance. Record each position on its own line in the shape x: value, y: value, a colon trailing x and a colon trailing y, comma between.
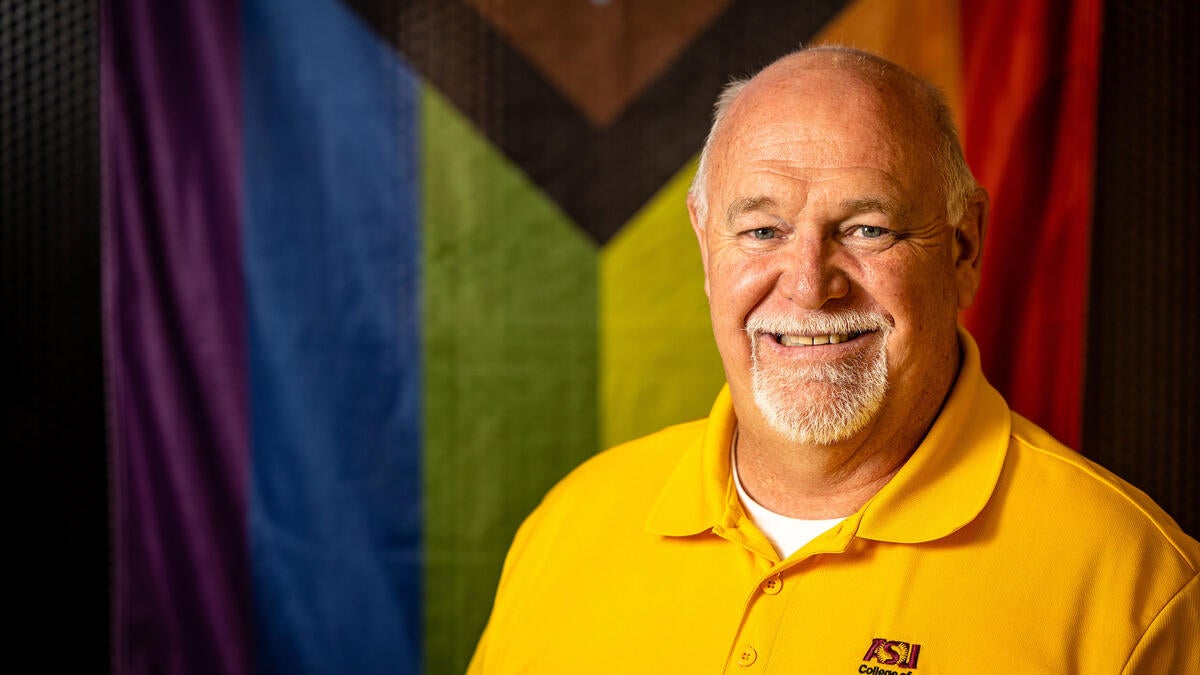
x: 764, y: 611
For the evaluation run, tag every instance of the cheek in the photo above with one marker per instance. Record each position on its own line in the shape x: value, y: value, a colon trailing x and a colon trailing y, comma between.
x: 737, y: 284
x: 915, y: 296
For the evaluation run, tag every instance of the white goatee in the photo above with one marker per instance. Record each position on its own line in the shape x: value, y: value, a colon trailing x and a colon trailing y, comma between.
x: 820, y: 404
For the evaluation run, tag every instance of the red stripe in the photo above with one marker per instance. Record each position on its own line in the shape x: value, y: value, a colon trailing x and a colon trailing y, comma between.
x: 1030, y: 71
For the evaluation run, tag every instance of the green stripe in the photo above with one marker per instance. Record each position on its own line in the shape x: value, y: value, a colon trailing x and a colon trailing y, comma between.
x: 510, y: 368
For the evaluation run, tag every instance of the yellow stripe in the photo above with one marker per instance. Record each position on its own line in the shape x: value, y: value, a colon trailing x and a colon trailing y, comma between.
x: 658, y: 362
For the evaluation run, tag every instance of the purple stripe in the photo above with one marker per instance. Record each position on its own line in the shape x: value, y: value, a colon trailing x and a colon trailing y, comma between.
x: 174, y: 335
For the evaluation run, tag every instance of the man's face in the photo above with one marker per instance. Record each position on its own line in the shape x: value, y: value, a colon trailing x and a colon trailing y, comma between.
x: 833, y: 277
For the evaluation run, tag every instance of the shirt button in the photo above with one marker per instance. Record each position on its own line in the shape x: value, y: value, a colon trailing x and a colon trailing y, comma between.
x: 773, y: 585
x: 747, y: 656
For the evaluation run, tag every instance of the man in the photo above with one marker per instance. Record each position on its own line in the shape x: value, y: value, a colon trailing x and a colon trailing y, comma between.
x: 860, y: 500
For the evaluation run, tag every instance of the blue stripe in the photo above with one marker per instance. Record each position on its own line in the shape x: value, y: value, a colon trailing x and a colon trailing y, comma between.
x: 331, y: 247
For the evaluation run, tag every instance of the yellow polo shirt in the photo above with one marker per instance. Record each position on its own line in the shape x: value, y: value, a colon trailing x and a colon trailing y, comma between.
x: 994, y: 549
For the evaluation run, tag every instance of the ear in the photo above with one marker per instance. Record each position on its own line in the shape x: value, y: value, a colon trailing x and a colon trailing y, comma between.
x: 968, y: 247
x: 701, y: 236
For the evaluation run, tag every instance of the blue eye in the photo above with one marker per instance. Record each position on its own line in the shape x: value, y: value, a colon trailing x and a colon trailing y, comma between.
x: 871, y: 231
x: 763, y: 233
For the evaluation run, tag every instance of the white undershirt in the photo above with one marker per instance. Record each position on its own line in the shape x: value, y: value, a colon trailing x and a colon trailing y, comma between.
x: 787, y: 535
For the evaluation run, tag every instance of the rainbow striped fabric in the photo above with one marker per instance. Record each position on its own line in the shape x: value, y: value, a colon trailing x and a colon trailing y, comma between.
x: 376, y: 276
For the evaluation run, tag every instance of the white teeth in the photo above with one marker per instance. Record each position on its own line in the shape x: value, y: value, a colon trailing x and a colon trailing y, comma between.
x: 804, y: 340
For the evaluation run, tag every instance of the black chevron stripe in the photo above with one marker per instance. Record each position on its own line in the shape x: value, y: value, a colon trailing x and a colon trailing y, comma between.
x: 599, y: 177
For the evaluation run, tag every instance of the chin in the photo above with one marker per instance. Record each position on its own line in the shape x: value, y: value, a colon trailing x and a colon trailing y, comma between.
x: 821, y: 405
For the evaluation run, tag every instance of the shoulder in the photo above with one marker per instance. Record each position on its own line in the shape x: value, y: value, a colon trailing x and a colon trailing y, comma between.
x: 1119, y: 553
x: 658, y: 451
x: 628, y: 476
x: 596, y: 511
x: 1077, y: 495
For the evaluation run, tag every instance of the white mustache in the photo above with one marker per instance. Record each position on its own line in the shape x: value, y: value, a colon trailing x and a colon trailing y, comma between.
x: 847, y: 321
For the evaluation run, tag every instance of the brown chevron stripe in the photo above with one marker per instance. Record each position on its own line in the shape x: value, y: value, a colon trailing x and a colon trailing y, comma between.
x: 599, y: 177
x: 600, y: 53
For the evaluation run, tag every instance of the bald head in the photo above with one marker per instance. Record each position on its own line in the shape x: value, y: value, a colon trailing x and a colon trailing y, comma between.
x: 911, y: 114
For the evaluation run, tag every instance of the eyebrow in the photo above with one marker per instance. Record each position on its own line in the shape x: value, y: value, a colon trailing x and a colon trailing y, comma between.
x: 746, y: 205
x: 872, y: 205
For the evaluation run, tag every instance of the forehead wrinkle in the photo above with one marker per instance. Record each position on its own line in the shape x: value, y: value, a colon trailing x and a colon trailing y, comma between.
x: 876, y: 198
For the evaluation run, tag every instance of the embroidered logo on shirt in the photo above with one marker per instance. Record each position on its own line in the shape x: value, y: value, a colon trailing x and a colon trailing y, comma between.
x: 887, y: 652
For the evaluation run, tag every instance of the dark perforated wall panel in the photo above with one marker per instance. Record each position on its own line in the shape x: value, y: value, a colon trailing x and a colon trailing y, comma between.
x: 1142, y: 394
x: 51, y: 392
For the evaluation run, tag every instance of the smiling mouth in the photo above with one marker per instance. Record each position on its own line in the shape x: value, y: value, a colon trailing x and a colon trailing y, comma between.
x: 812, y: 340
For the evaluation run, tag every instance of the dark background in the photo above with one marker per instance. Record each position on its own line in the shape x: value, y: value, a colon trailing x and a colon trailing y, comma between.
x: 1141, y: 392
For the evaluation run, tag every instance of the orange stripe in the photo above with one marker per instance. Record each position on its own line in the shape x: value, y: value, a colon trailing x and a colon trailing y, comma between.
x: 921, y: 35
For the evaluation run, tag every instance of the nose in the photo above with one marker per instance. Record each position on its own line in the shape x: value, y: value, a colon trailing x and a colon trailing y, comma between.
x: 811, y: 276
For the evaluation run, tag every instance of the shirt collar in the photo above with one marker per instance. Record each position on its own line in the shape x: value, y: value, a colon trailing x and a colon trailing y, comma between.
x: 697, y: 495
x: 942, y: 487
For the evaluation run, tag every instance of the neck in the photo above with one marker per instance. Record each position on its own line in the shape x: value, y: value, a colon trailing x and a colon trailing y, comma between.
x: 813, y: 481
